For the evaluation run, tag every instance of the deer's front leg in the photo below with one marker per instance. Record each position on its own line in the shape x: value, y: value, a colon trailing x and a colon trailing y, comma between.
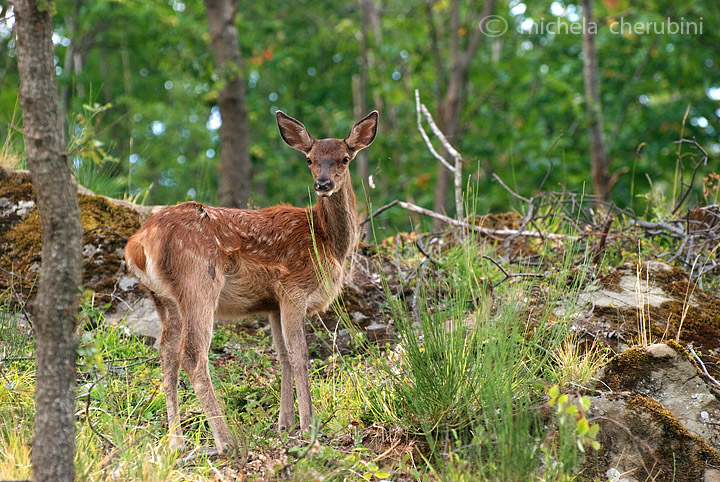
x: 293, y: 329
x: 287, y: 402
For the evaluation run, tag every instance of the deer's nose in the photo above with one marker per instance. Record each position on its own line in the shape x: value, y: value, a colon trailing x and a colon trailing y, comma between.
x: 324, y: 185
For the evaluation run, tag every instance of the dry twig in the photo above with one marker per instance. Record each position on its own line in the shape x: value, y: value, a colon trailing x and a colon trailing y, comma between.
x: 457, y: 168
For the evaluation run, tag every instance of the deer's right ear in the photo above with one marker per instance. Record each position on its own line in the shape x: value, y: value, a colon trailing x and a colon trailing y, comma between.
x: 294, y: 132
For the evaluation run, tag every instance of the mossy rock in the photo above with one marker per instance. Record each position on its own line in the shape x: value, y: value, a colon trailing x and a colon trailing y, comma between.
x: 642, y: 439
x: 106, y: 227
x: 673, y: 307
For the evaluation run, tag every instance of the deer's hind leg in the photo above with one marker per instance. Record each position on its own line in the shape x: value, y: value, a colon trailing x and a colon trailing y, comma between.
x: 170, y: 363
x: 197, y: 308
x: 287, y: 401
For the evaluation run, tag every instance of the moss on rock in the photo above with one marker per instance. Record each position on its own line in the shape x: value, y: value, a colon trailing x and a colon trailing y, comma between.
x: 638, y: 436
x: 682, y: 454
x: 106, y: 227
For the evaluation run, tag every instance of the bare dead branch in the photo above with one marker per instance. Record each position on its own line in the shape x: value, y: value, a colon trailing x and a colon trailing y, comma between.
x: 498, y: 232
x: 379, y: 210
x: 424, y: 252
x: 658, y: 226
x: 439, y: 134
x: 513, y: 193
x: 549, y: 157
x: 702, y: 365
x: 425, y: 137
x: 457, y: 169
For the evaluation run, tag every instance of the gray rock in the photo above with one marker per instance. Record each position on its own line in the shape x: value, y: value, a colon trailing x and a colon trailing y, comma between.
x: 658, y: 417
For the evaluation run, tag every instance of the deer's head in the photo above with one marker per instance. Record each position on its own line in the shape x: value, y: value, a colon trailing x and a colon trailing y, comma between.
x: 328, y: 158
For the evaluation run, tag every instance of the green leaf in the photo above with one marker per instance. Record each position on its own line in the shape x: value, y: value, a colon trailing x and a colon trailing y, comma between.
x: 583, y: 426
x: 572, y: 411
x: 554, y: 392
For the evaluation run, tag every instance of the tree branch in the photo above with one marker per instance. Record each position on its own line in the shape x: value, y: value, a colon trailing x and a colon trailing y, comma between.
x: 425, y: 137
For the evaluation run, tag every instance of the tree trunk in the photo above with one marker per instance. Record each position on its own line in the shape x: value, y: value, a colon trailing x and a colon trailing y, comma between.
x: 598, y: 152
x: 60, y: 273
x: 456, y: 92
x: 360, y: 94
x: 361, y: 106
x: 235, y: 172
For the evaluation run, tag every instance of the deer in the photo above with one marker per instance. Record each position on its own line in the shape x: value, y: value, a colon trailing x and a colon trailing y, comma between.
x: 200, y: 263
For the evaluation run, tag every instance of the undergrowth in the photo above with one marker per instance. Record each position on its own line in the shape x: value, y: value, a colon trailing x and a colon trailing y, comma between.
x: 472, y: 366
x: 462, y: 393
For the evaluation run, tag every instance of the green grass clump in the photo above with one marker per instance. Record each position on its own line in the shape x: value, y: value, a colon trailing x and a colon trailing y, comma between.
x: 473, y: 365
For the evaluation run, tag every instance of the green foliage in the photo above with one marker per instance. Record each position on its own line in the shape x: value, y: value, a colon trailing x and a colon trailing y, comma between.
x: 93, y: 165
x: 574, y: 434
x: 152, y: 70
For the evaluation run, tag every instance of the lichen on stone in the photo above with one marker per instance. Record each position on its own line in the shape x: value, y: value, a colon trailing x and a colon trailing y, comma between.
x: 106, y: 227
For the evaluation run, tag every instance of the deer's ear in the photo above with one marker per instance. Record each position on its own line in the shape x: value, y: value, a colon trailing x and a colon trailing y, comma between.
x: 294, y: 132
x: 363, y: 133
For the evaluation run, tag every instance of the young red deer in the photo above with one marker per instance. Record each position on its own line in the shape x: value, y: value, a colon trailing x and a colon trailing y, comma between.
x: 200, y: 262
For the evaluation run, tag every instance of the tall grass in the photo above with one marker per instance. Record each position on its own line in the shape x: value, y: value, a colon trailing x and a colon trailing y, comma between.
x: 473, y: 365
x: 120, y: 417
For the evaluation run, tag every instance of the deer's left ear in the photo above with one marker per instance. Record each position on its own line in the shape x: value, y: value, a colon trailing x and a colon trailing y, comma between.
x: 363, y: 133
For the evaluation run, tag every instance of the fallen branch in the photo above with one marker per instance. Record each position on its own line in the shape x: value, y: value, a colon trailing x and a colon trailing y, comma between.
x: 658, y: 225
x: 495, y: 232
x: 378, y: 211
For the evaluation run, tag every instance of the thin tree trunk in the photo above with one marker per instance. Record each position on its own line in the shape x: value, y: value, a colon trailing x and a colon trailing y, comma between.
x: 235, y: 172
x: 105, y: 76
x: 362, y: 104
x: 598, y: 152
x: 456, y: 92
x: 60, y: 273
x: 65, y: 90
x: 361, y: 98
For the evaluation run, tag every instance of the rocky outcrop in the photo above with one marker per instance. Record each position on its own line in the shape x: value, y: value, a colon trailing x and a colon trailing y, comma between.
x: 659, y: 418
x: 641, y: 304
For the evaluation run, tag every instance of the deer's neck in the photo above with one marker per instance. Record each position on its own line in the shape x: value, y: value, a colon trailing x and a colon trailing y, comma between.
x: 337, y: 217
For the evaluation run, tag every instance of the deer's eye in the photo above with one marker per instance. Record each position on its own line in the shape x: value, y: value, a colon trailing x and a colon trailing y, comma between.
x: 309, y: 161
x: 346, y: 159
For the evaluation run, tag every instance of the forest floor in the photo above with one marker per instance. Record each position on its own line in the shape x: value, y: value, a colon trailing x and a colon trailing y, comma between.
x: 465, y: 354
